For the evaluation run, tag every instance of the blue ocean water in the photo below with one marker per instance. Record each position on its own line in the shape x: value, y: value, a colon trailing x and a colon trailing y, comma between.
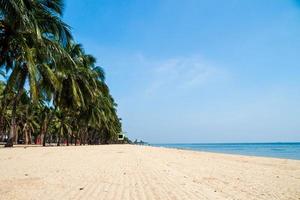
x: 277, y: 150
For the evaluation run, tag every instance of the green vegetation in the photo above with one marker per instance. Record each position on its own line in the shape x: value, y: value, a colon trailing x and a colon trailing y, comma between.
x: 52, y: 92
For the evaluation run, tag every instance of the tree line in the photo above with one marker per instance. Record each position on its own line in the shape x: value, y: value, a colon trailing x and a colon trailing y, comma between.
x: 51, y: 90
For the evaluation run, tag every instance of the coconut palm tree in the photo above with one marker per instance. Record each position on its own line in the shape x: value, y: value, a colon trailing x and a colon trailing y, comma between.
x: 31, y: 36
x: 54, y: 89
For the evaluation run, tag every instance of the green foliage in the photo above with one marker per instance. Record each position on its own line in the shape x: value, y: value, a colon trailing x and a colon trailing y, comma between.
x: 54, y: 91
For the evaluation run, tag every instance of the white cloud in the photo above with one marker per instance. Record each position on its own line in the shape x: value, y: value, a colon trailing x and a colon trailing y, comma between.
x: 183, y: 74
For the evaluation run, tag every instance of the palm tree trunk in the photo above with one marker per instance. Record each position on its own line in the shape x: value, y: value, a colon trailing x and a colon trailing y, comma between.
x: 61, y: 131
x: 76, y: 137
x: 72, y: 138
x: 44, y: 130
x: 68, y: 137
x: 16, y: 135
x: 29, y: 137
x: 2, y: 118
x: 12, y: 133
x: 58, y: 141
x: 1, y: 127
x: 80, y: 136
x: 26, y: 136
x: 86, y: 136
x: 44, y: 139
x: 13, y: 126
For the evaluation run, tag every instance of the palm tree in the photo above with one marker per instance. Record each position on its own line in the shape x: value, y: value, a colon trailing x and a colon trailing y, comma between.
x: 53, y: 86
x: 29, y: 121
x: 62, y: 126
x: 31, y: 35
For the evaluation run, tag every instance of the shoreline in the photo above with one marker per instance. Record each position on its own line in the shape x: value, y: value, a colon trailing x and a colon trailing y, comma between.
x: 143, y: 172
x: 162, y: 147
x: 153, y: 146
x: 232, y: 152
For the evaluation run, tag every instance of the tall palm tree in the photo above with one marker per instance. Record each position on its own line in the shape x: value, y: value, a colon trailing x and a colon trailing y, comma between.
x: 31, y: 36
x: 51, y: 80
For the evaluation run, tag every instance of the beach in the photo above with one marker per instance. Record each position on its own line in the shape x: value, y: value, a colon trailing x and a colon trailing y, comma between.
x: 128, y: 172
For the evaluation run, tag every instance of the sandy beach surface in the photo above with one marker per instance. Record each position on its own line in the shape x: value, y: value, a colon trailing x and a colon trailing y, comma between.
x: 141, y: 172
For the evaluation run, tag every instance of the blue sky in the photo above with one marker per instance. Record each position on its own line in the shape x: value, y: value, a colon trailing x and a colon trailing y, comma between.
x: 197, y: 70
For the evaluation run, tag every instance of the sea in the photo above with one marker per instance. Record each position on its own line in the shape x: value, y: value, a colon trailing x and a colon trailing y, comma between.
x: 275, y: 150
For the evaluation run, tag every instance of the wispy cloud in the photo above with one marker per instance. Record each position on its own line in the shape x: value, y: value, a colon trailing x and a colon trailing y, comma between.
x: 183, y: 74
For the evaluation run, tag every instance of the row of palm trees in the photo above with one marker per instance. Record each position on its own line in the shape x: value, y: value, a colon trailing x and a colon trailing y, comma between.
x: 52, y: 91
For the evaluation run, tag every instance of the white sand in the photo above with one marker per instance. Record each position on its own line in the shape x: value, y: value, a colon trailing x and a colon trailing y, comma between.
x: 138, y: 172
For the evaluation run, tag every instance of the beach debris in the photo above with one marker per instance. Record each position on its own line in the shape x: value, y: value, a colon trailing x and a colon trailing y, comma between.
x: 26, y: 174
x: 81, y: 188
